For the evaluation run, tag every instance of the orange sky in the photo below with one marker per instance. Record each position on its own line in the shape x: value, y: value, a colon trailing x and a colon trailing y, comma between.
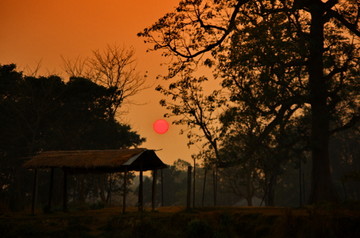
x: 43, y: 30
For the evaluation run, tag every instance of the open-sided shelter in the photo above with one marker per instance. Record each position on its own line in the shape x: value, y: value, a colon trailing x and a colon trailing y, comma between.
x: 95, y: 161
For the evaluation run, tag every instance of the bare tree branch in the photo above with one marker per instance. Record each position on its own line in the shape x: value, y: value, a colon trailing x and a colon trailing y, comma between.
x: 114, y: 67
x: 231, y: 26
x: 350, y: 124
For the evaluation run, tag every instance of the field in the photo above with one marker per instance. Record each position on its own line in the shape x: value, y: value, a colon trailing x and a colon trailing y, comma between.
x: 177, y: 222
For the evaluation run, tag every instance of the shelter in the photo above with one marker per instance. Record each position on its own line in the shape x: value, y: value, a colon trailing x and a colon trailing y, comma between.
x: 96, y: 161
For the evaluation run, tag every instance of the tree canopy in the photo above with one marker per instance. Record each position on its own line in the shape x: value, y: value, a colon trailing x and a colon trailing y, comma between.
x: 289, y: 67
x: 47, y: 113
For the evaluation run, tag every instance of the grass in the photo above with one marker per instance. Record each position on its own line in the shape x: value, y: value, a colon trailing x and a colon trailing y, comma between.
x: 176, y: 222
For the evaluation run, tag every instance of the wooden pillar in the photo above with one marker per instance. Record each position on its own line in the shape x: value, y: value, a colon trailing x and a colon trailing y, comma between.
x: 194, y: 182
x: 141, y: 196
x: 51, y: 188
x: 109, y: 194
x: 300, y: 185
x: 188, y: 197
x: 65, y: 195
x: 204, y: 187
x: 34, y: 195
x: 162, y: 188
x: 153, y: 192
x: 124, y: 191
x: 303, y: 183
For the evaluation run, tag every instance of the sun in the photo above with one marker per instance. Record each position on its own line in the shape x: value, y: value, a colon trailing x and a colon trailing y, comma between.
x: 161, y: 126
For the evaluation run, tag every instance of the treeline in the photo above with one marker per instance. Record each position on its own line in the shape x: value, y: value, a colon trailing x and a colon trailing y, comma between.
x: 233, y: 187
x: 49, y: 113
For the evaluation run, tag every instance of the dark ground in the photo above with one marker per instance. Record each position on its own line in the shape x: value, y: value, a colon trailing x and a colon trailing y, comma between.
x: 175, y: 222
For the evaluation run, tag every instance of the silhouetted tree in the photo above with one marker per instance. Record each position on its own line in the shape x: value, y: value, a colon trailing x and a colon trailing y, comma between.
x: 114, y: 68
x: 44, y: 113
x: 327, y: 32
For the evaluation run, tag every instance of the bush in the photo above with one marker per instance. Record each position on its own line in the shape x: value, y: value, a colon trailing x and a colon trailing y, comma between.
x: 198, y: 228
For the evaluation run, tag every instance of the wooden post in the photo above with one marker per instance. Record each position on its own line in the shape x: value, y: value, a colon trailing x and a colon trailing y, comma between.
x: 141, y: 197
x: 65, y: 197
x: 204, y: 186
x: 188, y: 197
x: 215, y: 184
x: 34, y: 195
x: 51, y: 188
x: 194, y: 182
x: 162, y: 188
x: 124, y: 196
x: 153, y: 193
x: 303, y: 183
x: 109, y: 195
x: 300, y: 185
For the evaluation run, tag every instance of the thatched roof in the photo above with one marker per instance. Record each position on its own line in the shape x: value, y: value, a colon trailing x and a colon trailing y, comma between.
x: 97, y: 160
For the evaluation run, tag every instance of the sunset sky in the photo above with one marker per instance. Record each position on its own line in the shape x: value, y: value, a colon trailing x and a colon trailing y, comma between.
x: 34, y: 31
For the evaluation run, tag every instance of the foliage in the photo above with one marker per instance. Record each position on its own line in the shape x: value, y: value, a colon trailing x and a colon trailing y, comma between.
x: 195, y: 109
x: 45, y: 113
x: 290, y: 69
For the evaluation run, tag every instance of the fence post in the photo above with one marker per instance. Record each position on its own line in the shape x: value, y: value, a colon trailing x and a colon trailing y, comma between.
x: 124, y: 191
x: 141, y: 196
x: 162, y: 187
x: 188, y: 197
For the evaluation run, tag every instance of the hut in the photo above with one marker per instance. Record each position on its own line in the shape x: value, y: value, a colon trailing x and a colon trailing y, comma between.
x: 95, y: 161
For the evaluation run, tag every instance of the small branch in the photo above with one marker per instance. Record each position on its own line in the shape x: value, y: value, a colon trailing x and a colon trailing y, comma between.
x: 227, y: 31
x: 354, y: 120
x: 350, y: 26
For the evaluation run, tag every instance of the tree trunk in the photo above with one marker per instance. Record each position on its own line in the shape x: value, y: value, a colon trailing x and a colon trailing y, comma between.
x: 101, y: 184
x: 124, y: 192
x: 249, y: 189
x: 270, y: 195
x: 141, y: 192
x: 204, y: 186
x: 109, y: 191
x: 249, y: 200
x: 215, y: 185
x: 153, y: 192
x: 322, y: 187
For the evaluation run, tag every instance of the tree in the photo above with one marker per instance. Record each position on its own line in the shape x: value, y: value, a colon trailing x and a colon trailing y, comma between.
x: 195, y: 29
x: 266, y: 87
x: 85, y: 122
x: 45, y: 113
x: 199, y: 112
x: 113, y: 68
x: 195, y: 109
